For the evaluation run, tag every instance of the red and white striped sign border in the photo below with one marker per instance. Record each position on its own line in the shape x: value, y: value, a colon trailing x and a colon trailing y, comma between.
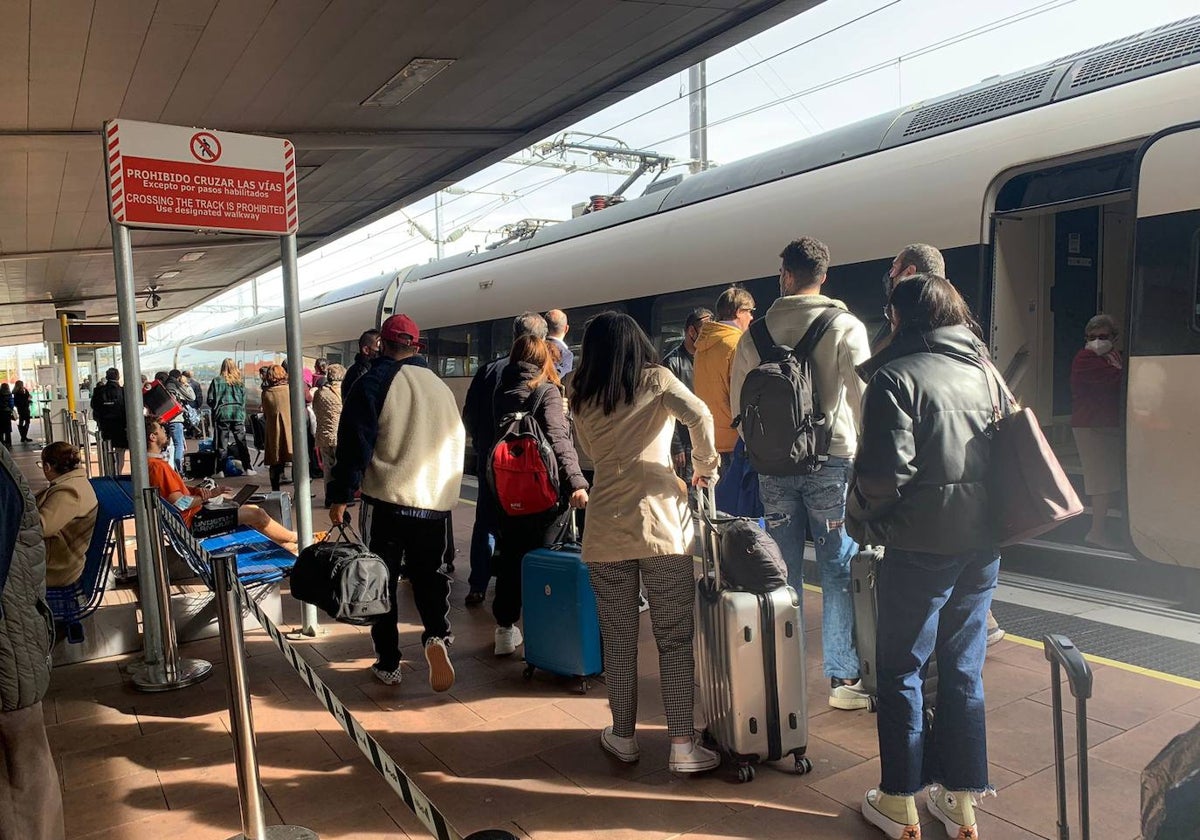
x: 289, y: 186
x: 116, y: 188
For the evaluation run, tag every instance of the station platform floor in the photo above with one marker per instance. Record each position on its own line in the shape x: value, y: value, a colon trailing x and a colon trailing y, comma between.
x: 498, y: 751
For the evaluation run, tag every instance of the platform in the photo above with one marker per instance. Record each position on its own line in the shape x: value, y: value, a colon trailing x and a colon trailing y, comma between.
x: 500, y: 752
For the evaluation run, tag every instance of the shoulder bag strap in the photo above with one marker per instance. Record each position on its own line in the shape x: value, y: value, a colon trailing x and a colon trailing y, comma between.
x: 763, y: 342
x: 816, y: 331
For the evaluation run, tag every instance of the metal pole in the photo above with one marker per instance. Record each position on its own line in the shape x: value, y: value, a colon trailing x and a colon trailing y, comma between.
x: 437, y: 223
x: 698, y: 117
x: 241, y: 715
x: 68, y: 367
x: 302, y: 482
x: 135, y: 426
x: 173, y: 672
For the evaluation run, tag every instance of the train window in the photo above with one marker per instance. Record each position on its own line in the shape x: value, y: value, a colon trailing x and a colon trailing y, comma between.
x: 671, y: 310
x: 1166, y: 294
x: 578, y: 317
x: 455, y: 351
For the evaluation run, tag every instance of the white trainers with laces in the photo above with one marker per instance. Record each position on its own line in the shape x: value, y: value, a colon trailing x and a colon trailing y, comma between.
x: 508, y: 639
x: 387, y: 677
x: 956, y: 810
x: 848, y: 696
x: 692, y: 757
x: 623, y: 749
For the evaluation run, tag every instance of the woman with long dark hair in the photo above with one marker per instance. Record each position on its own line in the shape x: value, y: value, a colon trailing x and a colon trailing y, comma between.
x: 277, y: 419
x: 921, y: 491
x: 625, y: 406
x: 227, y: 399
x: 530, y: 384
x: 23, y: 401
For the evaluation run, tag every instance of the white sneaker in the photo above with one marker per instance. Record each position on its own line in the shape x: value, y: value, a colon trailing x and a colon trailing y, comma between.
x: 508, y: 639
x: 249, y: 472
x: 387, y: 677
x: 848, y: 696
x: 624, y: 749
x: 892, y: 828
x: 955, y: 810
x: 441, y: 671
x: 692, y: 757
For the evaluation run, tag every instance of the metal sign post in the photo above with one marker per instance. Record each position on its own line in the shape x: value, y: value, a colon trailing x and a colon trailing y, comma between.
x: 301, y: 478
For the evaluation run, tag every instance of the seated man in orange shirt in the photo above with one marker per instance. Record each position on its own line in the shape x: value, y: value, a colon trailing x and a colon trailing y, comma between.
x: 171, y: 487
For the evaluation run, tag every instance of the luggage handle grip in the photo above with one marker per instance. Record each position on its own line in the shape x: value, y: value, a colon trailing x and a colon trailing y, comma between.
x: 568, y: 534
x: 1062, y: 651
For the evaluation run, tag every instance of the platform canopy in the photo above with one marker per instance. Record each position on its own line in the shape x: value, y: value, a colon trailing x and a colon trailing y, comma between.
x: 386, y: 102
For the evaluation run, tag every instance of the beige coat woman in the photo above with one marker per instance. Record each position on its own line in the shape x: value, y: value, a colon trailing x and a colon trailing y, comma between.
x: 327, y: 405
x: 638, y: 506
x: 277, y: 418
x: 68, y: 511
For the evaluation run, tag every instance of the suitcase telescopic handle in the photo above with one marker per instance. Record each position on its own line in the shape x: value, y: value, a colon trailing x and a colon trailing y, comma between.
x: 1064, y: 656
x: 706, y: 505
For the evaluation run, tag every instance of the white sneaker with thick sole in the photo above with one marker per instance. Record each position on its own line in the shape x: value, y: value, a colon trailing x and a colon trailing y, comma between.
x: 955, y: 810
x: 508, y: 639
x: 441, y: 672
x: 848, y: 696
x: 623, y: 749
x: 692, y: 757
x: 892, y: 828
x: 387, y: 677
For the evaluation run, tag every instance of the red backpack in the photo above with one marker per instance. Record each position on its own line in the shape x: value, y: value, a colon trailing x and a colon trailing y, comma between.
x: 522, y: 469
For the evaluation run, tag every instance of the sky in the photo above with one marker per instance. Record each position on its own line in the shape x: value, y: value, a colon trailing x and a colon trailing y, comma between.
x: 841, y: 62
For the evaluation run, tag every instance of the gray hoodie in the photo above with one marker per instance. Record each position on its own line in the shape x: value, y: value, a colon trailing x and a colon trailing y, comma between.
x: 844, y: 347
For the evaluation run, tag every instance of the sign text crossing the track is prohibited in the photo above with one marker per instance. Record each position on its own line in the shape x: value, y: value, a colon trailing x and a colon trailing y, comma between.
x: 167, y: 176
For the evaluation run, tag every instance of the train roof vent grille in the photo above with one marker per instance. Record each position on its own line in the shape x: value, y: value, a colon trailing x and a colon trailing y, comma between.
x: 971, y: 106
x: 1141, y: 54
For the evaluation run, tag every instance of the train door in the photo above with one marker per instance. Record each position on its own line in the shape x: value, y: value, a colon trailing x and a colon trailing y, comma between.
x: 1163, y: 407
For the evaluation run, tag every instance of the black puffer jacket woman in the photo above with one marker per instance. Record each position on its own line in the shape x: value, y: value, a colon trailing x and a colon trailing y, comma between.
x: 529, y: 382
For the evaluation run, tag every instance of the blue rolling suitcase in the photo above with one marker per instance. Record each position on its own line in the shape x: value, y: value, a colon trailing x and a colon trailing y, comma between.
x: 562, y: 629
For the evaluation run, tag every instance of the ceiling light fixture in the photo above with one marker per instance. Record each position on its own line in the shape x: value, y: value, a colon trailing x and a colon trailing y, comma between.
x: 191, y: 256
x: 167, y: 275
x: 411, y: 78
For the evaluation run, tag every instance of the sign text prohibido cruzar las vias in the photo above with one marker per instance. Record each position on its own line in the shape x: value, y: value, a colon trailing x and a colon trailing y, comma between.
x: 167, y: 176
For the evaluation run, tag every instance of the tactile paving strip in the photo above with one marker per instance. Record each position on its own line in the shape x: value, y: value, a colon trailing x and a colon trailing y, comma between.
x: 1133, y: 647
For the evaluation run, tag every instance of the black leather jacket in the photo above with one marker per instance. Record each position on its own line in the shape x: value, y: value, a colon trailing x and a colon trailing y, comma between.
x: 683, y: 364
x: 920, y: 476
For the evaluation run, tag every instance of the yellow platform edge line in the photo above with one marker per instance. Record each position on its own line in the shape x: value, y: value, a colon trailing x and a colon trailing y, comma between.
x: 1113, y: 663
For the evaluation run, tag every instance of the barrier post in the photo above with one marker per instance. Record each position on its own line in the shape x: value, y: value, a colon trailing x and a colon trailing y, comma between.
x: 241, y: 718
x: 172, y: 672
x: 309, y: 624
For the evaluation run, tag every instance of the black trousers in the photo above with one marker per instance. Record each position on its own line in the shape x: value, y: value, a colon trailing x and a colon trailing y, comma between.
x: 231, y: 441
x: 276, y: 473
x: 418, y: 545
x: 518, y: 536
x: 23, y: 426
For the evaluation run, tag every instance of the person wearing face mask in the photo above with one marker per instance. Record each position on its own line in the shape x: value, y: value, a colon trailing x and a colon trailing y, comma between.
x: 1097, y: 373
x: 912, y: 259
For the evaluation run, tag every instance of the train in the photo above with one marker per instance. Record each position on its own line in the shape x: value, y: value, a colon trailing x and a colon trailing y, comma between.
x: 1054, y: 193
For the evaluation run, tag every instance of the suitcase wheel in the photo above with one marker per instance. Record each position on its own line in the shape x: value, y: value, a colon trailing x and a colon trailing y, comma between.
x: 584, y: 685
x: 528, y: 672
x: 745, y: 773
x: 803, y: 765
x: 872, y: 703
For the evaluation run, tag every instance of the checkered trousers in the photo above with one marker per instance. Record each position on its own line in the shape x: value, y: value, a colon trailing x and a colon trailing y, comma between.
x: 670, y: 589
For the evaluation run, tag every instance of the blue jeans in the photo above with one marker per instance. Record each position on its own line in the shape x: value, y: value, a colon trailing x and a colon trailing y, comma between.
x: 483, y: 538
x: 819, y: 501
x: 175, y: 431
x: 933, y: 603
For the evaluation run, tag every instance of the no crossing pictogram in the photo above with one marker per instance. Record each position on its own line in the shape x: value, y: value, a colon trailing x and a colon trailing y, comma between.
x: 206, y: 147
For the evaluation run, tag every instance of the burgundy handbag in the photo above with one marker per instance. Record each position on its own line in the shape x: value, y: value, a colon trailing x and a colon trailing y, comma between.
x: 1029, y: 491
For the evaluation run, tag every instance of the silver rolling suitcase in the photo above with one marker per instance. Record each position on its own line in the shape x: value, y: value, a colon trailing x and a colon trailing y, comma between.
x: 278, y: 505
x: 750, y: 661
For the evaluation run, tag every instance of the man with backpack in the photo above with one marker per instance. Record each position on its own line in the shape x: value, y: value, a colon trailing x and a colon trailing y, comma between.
x: 108, y: 410
x: 797, y: 395
x: 185, y: 396
x: 479, y: 418
x: 401, y: 441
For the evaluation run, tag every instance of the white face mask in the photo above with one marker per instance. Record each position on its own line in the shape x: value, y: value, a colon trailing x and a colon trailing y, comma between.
x: 1099, y: 346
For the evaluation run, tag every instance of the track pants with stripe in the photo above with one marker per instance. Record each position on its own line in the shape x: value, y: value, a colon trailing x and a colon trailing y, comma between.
x: 418, y: 545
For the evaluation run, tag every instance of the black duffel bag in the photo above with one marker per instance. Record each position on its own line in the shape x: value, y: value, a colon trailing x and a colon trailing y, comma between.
x: 344, y: 578
x: 750, y: 557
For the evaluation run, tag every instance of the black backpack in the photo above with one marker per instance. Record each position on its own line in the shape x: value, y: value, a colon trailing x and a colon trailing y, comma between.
x: 344, y: 578
x: 782, y: 424
x: 110, y: 405
x: 750, y: 557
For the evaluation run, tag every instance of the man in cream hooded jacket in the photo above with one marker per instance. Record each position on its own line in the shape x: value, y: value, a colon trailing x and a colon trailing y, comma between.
x: 818, y: 499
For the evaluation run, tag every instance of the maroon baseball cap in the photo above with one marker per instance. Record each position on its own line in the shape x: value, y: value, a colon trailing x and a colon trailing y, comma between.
x: 401, y: 329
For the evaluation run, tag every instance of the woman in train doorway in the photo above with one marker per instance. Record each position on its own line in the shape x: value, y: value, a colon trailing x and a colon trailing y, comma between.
x: 530, y: 384
x: 1097, y: 373
x: 920, y: 490
x: 23, y: 400
x: 227, y: 400
x: 277, y: 418
x: 625, y: 406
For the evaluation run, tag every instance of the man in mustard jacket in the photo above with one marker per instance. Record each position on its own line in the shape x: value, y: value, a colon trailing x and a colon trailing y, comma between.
x: 715, y: 349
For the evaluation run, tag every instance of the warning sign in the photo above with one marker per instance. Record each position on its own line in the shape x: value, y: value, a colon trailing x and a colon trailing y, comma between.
x: 166, y: 176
